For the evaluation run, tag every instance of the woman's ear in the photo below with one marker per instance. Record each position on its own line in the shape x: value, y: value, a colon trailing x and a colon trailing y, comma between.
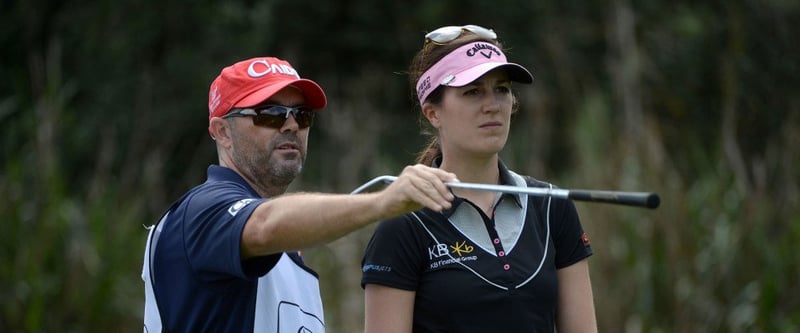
x: 431, y: 112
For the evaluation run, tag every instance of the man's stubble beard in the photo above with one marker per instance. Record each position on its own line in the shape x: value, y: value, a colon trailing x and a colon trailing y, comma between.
x: 266, y: 168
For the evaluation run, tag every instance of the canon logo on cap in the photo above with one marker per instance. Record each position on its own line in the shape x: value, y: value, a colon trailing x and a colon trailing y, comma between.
x: 266, y: 68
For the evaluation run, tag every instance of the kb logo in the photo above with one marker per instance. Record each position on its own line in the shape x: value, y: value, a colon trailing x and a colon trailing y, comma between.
x: 437, y: 251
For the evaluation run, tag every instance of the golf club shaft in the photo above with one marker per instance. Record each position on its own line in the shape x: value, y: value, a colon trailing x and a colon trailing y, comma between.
x: 639, y: 199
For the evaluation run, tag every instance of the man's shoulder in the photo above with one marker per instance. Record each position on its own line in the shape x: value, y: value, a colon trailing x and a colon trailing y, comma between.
x: 219, y: 188
x: 212, y: 197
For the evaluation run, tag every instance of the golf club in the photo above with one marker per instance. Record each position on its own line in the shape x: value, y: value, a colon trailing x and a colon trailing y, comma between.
x: 639, y: 199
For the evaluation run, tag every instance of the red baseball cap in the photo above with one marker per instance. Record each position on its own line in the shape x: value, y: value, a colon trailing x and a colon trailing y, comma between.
x: 250, y: 82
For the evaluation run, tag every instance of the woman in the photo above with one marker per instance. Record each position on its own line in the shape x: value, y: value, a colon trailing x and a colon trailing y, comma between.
x: 492, y: 262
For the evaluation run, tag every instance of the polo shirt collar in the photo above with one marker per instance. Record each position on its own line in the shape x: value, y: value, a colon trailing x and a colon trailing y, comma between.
x: 218, y: 173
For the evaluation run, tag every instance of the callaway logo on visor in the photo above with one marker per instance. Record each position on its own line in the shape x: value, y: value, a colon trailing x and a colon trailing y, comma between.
x: 485, y: 50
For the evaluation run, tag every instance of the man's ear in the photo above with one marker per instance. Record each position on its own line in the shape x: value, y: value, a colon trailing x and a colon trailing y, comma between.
x: 220, y: 131
x: 431, y: 112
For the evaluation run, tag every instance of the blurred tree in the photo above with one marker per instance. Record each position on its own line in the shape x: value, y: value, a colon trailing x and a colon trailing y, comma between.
x: 103, y: 107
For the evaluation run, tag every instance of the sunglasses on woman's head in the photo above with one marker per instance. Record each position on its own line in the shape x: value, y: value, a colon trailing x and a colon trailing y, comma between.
x: 449, y: 33
x: 274, y: 116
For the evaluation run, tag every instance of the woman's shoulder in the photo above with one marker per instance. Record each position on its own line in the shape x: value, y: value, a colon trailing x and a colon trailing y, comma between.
x: 409, y: 222
x: 529, y: 180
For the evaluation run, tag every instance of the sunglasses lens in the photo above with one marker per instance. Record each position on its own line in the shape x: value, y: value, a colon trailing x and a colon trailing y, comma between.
x: 304, y: 118
x: 268, y: 120
x: 481, y: 31
x: 444, y: 35
x: 449, y: 33
x: 275, y: 116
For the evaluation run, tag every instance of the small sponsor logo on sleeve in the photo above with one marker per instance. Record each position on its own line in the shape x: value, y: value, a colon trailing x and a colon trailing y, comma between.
x: 376, y: 268
x: 236, y: 207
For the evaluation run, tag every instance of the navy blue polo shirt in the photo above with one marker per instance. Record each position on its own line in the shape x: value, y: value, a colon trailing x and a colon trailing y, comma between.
x: 201, y: 283
x: 474, y: 273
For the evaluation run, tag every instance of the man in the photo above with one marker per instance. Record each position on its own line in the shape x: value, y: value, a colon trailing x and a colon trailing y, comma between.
x: 223, y: 257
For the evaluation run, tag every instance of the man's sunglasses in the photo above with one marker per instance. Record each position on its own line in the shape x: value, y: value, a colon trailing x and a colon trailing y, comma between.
x: 448, y: 34
x: 274, y: 116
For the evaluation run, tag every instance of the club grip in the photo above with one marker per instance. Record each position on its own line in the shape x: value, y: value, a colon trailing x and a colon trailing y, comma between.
x: 640, y: 199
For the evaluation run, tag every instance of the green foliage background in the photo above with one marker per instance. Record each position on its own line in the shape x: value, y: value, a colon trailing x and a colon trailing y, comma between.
x: 103, y: 118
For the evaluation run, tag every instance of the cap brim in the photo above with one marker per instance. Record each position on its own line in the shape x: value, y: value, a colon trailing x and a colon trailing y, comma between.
x: 516, y: 73
x: 315, y: 96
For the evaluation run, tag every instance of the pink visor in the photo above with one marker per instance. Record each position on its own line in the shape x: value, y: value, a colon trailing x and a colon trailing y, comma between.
x: 466, y: 64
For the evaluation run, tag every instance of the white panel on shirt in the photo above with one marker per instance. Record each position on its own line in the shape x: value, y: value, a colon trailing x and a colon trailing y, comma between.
x: 509, y: 221
x: 289, y: 300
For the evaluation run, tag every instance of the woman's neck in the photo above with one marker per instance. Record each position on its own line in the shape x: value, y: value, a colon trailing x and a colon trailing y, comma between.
x: 473, y: 170
x: 478, y: 170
